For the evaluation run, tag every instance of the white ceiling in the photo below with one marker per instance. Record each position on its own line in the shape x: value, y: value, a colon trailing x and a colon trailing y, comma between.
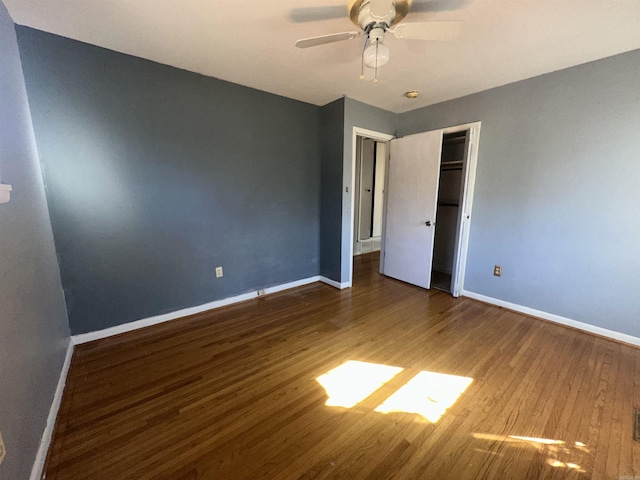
x: 252, y: 43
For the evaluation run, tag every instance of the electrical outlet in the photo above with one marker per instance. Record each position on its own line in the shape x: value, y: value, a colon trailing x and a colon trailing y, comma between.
x: 218, y: 272
x: 2, y: 449
x: 497, y: 271
x: 261, y: 293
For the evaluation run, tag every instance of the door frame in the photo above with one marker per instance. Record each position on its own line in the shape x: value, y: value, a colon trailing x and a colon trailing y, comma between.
x: 348, y: 212
x: 464, y: 223
x: 380, y: 162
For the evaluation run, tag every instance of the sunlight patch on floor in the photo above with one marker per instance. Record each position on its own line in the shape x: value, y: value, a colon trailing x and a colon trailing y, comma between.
x: 558, y: 452
x: 543, y: 441
x: 353, y: 381
x: 428, y: 394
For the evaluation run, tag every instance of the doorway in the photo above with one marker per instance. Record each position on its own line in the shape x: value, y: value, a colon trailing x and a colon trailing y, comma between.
x: 448, y: 213
x: 349, y: 200
x: 369, y: 194
x: 430, y: 183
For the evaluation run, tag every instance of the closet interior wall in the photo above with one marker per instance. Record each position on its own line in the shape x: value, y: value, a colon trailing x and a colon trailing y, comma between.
x: 448, y: 211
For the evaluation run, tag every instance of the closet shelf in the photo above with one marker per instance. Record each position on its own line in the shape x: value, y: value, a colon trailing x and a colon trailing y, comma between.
x: 454, y: 165
x: 448, y: 204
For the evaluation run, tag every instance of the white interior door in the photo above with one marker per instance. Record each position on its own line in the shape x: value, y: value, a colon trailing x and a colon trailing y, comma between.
x: 366, y: 188
x: 378, y: 191
x: 410, y: 215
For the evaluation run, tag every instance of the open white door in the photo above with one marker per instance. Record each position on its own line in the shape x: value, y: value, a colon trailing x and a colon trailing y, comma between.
x: 462, y: 239
x: 411, y: 202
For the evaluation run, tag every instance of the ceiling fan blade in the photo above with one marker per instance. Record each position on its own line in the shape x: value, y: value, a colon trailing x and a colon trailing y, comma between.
x: 380, y: 8
x: 427, y: 6
x: 324, y: 39
x: 434, y: 31
x: 313, y: 14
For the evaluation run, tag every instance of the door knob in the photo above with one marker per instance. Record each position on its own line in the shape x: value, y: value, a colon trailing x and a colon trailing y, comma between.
x: 428, y: 223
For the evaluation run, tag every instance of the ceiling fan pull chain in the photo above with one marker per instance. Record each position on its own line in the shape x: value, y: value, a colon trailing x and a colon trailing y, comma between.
x: 366, y: 40
x: 375, y: 80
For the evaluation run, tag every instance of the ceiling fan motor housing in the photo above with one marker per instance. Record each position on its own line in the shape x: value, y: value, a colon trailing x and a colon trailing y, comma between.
x: 360, y: 13
x: 376, y: 35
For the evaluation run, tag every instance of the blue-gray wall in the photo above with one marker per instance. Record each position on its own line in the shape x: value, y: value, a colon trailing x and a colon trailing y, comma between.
x: 332, y: 152
x: 557, y: 193
x: 337, y: 121
x: 156, y: 175
x: 357, y: 114
x: 34, y: 332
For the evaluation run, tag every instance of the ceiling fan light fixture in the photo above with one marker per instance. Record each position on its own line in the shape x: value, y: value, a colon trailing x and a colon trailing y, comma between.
x: 376, y: 18
x: 376, y: 55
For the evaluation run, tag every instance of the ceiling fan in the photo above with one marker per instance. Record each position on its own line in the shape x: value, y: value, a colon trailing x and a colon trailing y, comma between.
x: 376, y: 18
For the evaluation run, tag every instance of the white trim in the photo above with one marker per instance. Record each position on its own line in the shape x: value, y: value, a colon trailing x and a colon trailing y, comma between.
x: 335, y: 284
x: 287, y: 286
x: 348, y: 211
x: 603, y: 332
x: 43, y: 449
x: 461, y: 128
x: 147, y: 322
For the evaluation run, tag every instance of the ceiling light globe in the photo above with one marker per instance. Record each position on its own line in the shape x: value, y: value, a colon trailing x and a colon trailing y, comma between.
x: 383, y: 54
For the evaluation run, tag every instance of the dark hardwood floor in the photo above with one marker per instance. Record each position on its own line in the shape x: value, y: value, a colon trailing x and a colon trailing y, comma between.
x: 235, y: 393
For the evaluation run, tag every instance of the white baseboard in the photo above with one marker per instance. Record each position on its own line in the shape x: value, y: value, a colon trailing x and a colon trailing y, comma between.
x: 185, y: 312
x: 621, y: 337
x: 287, y: 286
x: 41, y: 457
x: 333, y: 283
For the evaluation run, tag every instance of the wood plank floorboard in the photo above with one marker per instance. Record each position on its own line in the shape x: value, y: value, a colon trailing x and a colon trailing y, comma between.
x: 234, y: 393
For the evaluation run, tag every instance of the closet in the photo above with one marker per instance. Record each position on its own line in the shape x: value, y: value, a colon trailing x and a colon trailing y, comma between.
x: 430, y: 179
x: 449, y: 211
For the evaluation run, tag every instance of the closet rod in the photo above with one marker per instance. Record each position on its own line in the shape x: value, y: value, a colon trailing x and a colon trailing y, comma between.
x: 454, y: 139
